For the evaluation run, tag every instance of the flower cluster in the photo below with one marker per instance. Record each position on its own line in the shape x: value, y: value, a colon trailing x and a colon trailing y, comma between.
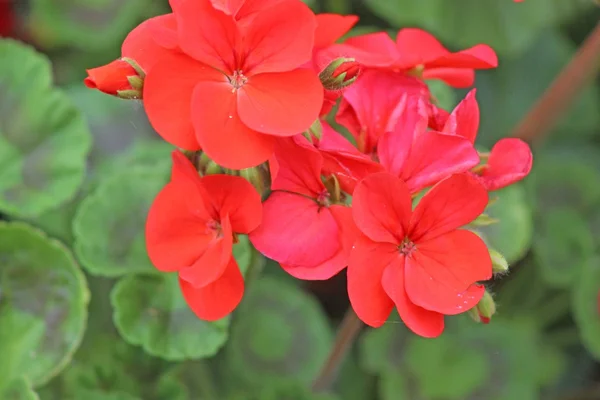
x: 245, y: 88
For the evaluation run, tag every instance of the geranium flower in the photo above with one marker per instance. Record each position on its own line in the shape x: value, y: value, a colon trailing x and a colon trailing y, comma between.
x: 190, y: 229
x: 304, y: 228
x: 114, y: 78
x: 418, y: 261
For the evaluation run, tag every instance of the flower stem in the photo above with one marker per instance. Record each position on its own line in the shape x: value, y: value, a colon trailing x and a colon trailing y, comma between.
x: 347, y: 333
x: 544, y: 115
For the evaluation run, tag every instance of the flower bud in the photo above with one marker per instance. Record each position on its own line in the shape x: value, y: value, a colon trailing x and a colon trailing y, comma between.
x: 499, y: 263
x: 484, y: 310
x: 340, y: 73
x: 122, y: 78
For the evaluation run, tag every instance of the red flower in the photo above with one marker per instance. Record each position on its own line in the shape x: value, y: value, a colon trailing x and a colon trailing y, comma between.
x: 417, y: 260
x: 510, y: 159
x: 225, y: 76
x: 190, y: 229
x: 303, y: 228
x: 420, y: 51
x: 112, y: 78
x: 7, y: 18
x: 420, y: 157
x: 370, y: 107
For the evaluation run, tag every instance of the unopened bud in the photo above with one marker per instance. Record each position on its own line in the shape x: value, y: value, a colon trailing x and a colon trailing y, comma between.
x: 122, y: 78
x: 340, y: 73
x: 484, y: 310
x: 499, y: 263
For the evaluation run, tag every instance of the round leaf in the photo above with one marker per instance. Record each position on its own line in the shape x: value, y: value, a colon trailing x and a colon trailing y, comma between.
x: 44, y: 140
x: 280, y: 333
x: 586, y: 306
x: 507, y: 27
x: 109, y: 225
x: 43, y: 304
x: 513, y: 234
x: 561, y: 246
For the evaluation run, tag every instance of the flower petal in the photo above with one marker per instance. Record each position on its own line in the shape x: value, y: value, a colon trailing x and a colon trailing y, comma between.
x: 381, y: 207
x: 296, y: 231
x: 416, y: 46
x: 280, y: 38
x: 213, y: 260
x: 450, y: 204
x: 441, y: 274
x: 220, y: 298
x: 150, y: 41
x: 236, y: 197
x: 372, y: 49
x: 281, y: 104
x: 510, y: 161
x: 221, y: 133
x: 365, y: 270
x: 459, y: 78
x: 464, y: 119
x: 480, y: 56
x: 298, y: 167
x: 423, y: 322
x: 168, y: 96
x: 331, y: 27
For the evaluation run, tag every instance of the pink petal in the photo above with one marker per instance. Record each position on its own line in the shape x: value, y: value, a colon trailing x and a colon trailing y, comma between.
x: 221, y: 133
x: 381, y: 207
x: 281, y: 104
x: 450, y: 204
x: 464, y: 119
x: 423, y: 322
x: 510, y: 161
x: 441, y: 274
x: 331, y: 27
x: 236, y: 197
x: 280, y: 38
x: 298, y: 167
x: 150, y: 41
x: 296, y: 231
x: 217, y: 300
x: 365, y: 270
x: 168, y: 97
x: 213, y: 261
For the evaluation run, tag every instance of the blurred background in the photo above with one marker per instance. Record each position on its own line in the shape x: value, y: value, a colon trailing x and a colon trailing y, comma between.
x: 83, y: 316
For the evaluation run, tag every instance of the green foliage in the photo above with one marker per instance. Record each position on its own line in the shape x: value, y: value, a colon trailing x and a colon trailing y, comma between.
x: 586, y: 306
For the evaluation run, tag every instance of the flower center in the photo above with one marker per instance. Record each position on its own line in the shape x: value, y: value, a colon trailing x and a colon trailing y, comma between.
x: 407, y: 247
x: 323, y: 199
x: 214, y: 227
x: 238, y: 79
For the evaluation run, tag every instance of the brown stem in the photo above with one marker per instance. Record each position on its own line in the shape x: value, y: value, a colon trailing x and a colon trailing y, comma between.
x: 347, y: 333
x: 544, y: 115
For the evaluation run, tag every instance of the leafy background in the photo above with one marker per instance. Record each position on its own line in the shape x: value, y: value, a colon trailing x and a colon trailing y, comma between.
x: 83, y: 315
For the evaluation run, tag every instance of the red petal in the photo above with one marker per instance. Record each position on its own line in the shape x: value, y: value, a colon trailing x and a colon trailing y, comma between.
x: 280, y: 38
x: 348, y: 233
x: 176, y: 228
x: 110, y: 78
x: 298, y: 167
x: 450, y: 204
x: 416, y: 46
x: 459, y: 78
x: 331, y: 27
x: 509, y: 162
x: 168, y: 96
x: 437, y: 117
x: 236, y: 197
x: 381, y: 207
x: 150, y: 41
x: 296, y: 231
x: 213, y: 260
x: 250, y: 8
x: 365, y: 270
x: 480, y: 56
x: 441, y: 274
x: 423, y: 322
x: 221, y: 133
x: 281, y: 104
x: 184, y: 173
x: 217, y: 300
x: 206, y: 34
x: 464, y: 119
x: 372, y: 50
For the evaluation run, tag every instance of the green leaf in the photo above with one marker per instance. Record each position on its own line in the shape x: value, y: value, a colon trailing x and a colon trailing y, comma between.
x: 393, y: 386
x: 43, y: 304
x: 509, y: 28
x: 352, y: 382
x: 562, y: 245
x: 586, y: 306
x: 109, y: 225
x: 87, y: 24
x: 44, y: 140
x: 445, y: 95
x: 505, y: 95
x: 279, y: 333
x: 287, y: 390
x: 512, y: 235
x: 19, y: 389
x: 383, y: 348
